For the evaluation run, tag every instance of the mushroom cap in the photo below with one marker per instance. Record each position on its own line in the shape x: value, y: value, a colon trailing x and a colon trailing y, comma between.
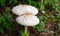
x: 24, y: 9
x: 27, y: 20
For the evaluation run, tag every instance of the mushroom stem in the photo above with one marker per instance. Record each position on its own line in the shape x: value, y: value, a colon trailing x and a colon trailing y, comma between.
x: 25, y: 29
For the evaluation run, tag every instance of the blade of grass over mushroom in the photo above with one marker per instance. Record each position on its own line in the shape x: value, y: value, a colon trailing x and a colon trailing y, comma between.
x: 22, y: 33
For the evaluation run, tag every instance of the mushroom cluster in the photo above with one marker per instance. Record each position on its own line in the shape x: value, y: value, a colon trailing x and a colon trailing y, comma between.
x: 26, y: 15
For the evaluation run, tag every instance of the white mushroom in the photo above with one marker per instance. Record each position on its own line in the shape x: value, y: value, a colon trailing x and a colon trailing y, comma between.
x: 27, y: 20
x: 24, y: 9
x: 26, y: 15
x: 43, y: 12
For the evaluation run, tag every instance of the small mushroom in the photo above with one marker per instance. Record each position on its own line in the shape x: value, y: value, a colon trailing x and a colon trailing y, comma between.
x: 24, y: 9
x: 27, y: 20
x: 26, y: 15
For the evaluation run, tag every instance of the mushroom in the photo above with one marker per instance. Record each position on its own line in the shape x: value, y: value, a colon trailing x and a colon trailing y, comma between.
x: 27, y: 20
x: 26, y: 15
x: 43, y: 12
x: 24, y: 9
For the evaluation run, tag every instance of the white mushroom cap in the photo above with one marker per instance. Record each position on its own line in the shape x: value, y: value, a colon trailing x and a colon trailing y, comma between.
x: 27, y: 20
x: 23, y: 9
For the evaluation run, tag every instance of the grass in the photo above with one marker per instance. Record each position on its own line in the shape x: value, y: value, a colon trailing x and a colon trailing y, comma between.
x: 51, y: 10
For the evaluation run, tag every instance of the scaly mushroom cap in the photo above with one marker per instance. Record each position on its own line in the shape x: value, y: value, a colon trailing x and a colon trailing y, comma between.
x: 24, y: 9
x: 27, y: 20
